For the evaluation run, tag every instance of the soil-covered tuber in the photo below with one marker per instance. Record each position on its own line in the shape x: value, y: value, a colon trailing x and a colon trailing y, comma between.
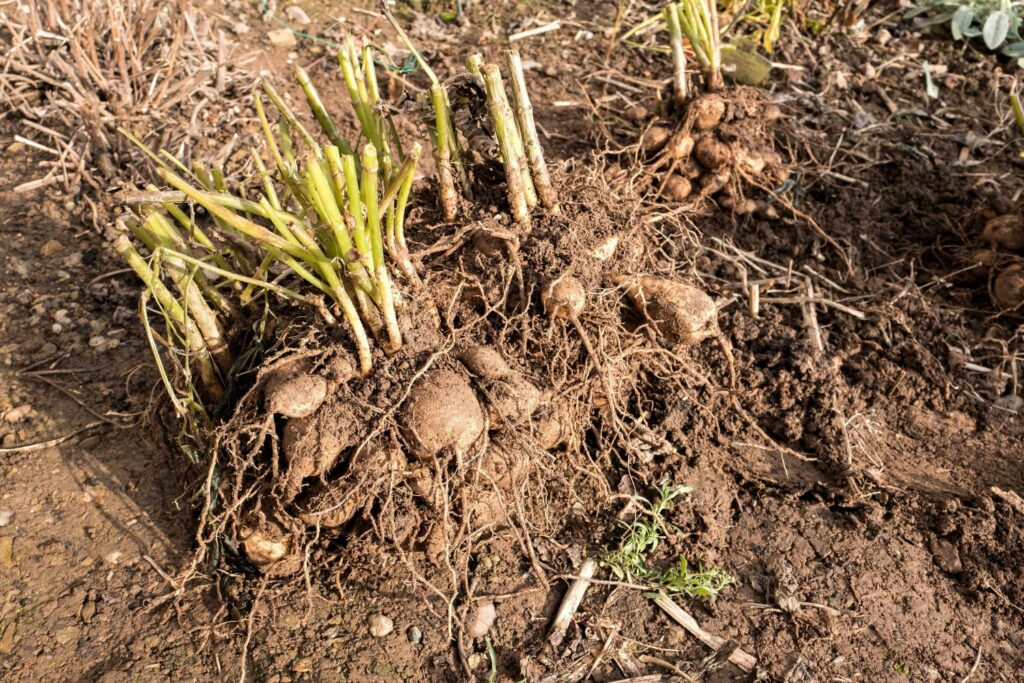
x: 485, y: 362
x: 682, y: 313
x: 480, y: 620
x: 269, y: 547
x: 1006, y: 232
x: 654, y: 139
x: 564, y: 297
x: 1008, y: 289
x: 312, y: 444
x: 711, y: 153
x: 707, y: 111
x: 292, y: 391
x: 442, y: 411
x: 677, y: 188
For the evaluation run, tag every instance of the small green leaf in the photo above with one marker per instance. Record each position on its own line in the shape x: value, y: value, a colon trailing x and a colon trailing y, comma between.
x: 962, y: 20
x: 996, y: 27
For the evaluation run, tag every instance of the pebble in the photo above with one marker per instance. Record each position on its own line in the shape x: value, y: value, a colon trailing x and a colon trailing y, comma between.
x: 15, y: 147
x: 380, y: 625
x: 67, y: 634
x: 7, y: 515
x: 414, y: 634
x: 282, y: 37
x: 114, y: 557
x: 51, y: 248
x: 17, y: 414
x: 297, y: 15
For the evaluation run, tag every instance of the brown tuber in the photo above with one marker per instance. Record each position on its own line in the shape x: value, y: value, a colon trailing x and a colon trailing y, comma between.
x: 654, y: 139
x: 748, y: 161
x: 707, y: 111
x: 712, y: 153
x: 1008, y: 289
x: 564, y: 297
x: 313, y: 444
x: 680, y: 146
x: 682, y: 313
x: 269, y: 547
x: 677, y: 188
x: 292, y: 391
x: 511, y: 398
x: 1006, y: 232
x: 485, y: 362
x: 442, y: 411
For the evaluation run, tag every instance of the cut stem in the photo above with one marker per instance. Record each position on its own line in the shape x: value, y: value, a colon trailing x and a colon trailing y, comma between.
x: 193, y: 337
x: 383, y: 280
x: 505, y: 129
x: 442, y: 153
x: 528, y: 128
x: 675, y: 35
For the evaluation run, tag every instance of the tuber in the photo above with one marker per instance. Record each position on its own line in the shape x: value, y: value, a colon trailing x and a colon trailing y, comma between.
x: 485, y: 362
x: 1008, y: 289
x: 480, y: 620
x: 564, y: 297
x: 1006, y: 232
x: 677, y: 188
x: 712, y: 153
x: 442, y: 411
x: 707, y: 111
x: 682, y: 313
x: 292, y: 391
x: 654, y: 139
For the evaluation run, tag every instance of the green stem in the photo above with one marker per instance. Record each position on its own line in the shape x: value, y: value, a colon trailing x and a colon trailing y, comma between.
x: 164, y: 297
x: 320, y: 112
x: 675, y: 34
x: 382, y: 279
x: 504, y: 124
x: 442, y: 151
x: 528, y: 128
x: 401, y: 248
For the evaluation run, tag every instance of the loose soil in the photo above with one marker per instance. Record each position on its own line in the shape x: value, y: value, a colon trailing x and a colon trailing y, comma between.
x: 861, y: 490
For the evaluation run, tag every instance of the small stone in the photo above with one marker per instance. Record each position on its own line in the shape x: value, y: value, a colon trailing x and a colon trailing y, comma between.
x: 883, y: 36
x: 51, y: 248
x: 282, y: 37
x: 302, y: 666
x: 6, y: 516
x: 17, y: 414
x: 7, y: 641
x: 7, y: 560
x: 414, y: 635
x: 114, y: 557
x: 380, y: 625
x: 240, y: 28
x: 15, y: 147
x: 297, y: 15
x: 66, y: 634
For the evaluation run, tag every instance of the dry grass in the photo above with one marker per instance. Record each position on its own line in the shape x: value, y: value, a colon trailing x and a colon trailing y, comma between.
x: 74, y: 71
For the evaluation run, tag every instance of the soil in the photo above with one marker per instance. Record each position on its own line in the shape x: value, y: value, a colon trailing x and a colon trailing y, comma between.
x: 857, y: 464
